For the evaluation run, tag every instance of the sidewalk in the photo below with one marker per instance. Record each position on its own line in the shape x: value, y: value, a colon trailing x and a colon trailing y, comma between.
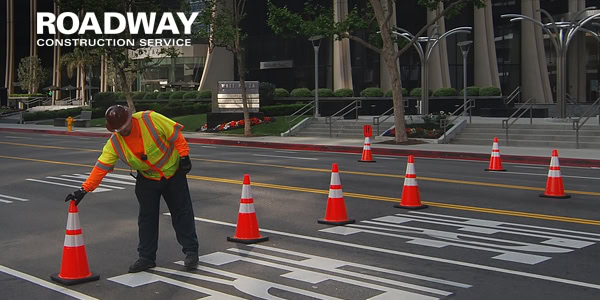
x: 568, y: 157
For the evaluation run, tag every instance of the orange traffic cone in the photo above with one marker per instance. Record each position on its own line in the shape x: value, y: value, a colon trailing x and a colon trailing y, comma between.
x: 247, y: 224
x: 367, y: 154
x: 411, y: 198
x: 495, y: 161
x: 335, y: 214
x: 554, y: 184
x: 74, y: 268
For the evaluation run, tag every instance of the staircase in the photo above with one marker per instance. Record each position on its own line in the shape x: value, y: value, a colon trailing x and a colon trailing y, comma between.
x: 536, y: 135
x: 348, y: 129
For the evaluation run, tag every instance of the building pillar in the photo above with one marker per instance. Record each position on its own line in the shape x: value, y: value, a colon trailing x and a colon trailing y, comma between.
x: 56, y: 67
x: 385, y: 80
x: 342, y: 68
x: 577, y: 60
x: 439, y: 73
x: 10, y: 47
x: 535, y: 82
x: 33, y: 28
x: 484, y: 48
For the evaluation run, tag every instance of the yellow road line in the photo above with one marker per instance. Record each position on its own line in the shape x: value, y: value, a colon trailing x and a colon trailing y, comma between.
x: 354, y: 195
x: 49, y: 147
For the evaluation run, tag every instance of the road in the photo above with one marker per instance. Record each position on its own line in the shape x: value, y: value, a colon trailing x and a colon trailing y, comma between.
x: 485, y: 235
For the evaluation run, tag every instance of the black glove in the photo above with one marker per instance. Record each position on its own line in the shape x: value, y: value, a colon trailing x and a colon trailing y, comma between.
x: 185, y: 164
x: 76, y: 196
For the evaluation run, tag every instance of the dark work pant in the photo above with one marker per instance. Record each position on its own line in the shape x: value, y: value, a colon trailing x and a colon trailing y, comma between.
x: 176, y: 193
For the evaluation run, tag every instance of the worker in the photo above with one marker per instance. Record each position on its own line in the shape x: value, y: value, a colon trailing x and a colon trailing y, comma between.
x: 153, y: 145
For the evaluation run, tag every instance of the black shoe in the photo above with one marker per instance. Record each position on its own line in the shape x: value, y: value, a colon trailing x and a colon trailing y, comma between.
x: 191, y: 260
x: 141, y: 264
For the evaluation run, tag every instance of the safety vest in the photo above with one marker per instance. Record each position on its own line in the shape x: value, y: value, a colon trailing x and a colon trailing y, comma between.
x: 158, y: 135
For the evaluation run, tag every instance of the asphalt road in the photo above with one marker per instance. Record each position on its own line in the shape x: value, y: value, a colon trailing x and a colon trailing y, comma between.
x: 484, y: 236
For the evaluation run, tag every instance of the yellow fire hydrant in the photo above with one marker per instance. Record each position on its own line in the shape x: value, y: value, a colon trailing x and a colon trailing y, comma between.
x: 69, y: 124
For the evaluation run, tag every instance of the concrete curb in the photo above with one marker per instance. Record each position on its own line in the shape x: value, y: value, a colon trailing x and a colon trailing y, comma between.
x: 536, y: 160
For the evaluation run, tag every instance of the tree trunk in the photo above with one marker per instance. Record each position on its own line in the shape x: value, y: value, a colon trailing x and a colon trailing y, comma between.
x: 126, y: 88
x: 389, y: 56
x: 83, y: 96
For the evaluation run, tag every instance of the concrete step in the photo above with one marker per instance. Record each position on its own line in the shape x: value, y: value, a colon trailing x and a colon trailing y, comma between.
x: 540, y: 137
x: 568, y: 125
x: 519, y: 143
x: 567, y: 132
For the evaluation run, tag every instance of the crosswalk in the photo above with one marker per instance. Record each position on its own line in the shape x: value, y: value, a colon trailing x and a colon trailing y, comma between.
x: 112, y: 182
x: 11, y: 199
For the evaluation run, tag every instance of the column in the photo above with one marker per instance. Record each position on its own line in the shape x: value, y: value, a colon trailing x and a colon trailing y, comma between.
x: 56, y: 67
x: 10, y: 47
x: 577, y: 60
x: 535, y: 82
x: 33, y: 28
x: 439, y: 73
x: 342, y: 68
x: 484, y: 48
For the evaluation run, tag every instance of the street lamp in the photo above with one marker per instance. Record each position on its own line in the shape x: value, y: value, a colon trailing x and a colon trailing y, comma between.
x: 316, y: 42
x: 464, y: 48
x: 561, y: 34
x: 424, y: 55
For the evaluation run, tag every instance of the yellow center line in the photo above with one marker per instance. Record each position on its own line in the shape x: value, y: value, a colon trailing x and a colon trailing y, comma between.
x: 49, y: 147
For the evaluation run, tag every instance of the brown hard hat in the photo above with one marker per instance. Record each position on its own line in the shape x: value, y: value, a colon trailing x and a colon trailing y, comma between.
x: 118, y: 117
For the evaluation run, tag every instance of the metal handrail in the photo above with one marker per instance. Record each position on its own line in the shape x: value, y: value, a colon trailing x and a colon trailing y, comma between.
x: 300, y: 112
x: 331, y: 119
x: 444, y: 123
x: 577, y: 124
x: 513, y: 95
x: 505, y: 123
x: 377, y: 122
x: 29, y: 103
x: 570, y: 98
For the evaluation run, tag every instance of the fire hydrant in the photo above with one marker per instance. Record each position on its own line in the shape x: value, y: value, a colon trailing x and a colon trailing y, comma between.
x: 69, y: 124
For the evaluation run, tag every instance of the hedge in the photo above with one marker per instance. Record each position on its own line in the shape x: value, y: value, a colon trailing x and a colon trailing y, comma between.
x: 279, y: 92
x: 51, y: 114
x: 372, y: 92
x: 105, y: 100
x: 266, y: 92
x: 343, y: 93
x: 206, y: 94
x: 323, y: 92
x: 416, y: 92
x: 190, y: 95
x: 445, y: 92
x: 151, y: 96
x: 300, y: 92
x: 164, y: 95
x: 27, y: 95
x: 281, y: 110
x: 471, y: 91
x: 389, y: 93
x: 489, y: 91
x: 177, y: 95
x: 138, y: 95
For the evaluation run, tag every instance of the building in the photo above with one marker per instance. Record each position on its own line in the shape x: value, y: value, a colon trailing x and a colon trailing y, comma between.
x: 505, y: 54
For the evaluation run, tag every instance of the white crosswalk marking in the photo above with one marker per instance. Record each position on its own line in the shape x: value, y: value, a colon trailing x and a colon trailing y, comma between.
x: 81, y: 176
x: 117, y: 181
x: 98, y: 190
x: 13, y: 198
x: 81, y: 181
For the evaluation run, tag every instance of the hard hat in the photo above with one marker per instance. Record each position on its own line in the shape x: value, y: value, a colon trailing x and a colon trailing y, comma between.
x: 118, y: 117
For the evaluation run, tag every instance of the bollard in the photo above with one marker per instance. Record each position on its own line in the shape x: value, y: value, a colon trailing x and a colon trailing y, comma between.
x: 69, y: 124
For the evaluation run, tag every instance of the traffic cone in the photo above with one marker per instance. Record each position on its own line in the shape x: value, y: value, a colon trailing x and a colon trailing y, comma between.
x: 495, y: 161
x: 411, y: 198
x: 74, y: 268
x: 247, y: 224
x: 554, y: 184
x: 335, y: 213
x: 367, y: 154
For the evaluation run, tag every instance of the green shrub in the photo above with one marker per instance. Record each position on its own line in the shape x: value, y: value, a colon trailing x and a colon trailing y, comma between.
x: 157, y: 107
x: 199, y: 108
x: 206, y: 94
x: 190, y: 95
x: 389, y: 93
x: 300, y: 92
x: 52, y: 114
x: 489, y: 91
x: 121, y: 96
x: 265, y: 92
x: 138, y: 95
x: 177, y: 95
x: 164, y: 95
x: 151, y: 96
x: 416, y: 92
x: 323, y: 92
x: 445, y: 92
x: 471, y: 91
x: 27, y: 95
x: 282, y: 110
x: 372, y: 92
x: 175, y: 103
x: 105, y: 100
x: 343, y: 93
x: 279, y: 92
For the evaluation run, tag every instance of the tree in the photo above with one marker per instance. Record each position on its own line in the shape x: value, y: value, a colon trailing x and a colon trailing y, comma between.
x: 31, y: 74
x: 221, y: 26
x: 78, y: 60
x: 374, y: 19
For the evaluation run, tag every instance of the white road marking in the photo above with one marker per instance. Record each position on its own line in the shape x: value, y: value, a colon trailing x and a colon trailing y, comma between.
x: 81, y: 176
x: 280, y: 156
x: 18, y: 137
x: 98, y: 190
x: 211, y: 147
x: 80, y: 182
x: 382, y: 157
x: 418, y: 256
x: 282, y: 151
x: 530, y: 167
x: 5, y: 201
x: 46, y: 284
x: 536, y: 174
x: 120, y: 176
x: 14, y: 198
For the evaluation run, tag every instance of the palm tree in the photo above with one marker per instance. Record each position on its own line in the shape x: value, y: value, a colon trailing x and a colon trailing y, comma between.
x: 78, y: 60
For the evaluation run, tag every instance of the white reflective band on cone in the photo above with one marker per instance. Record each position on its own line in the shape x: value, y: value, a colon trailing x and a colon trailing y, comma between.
x: 367, y: 140
x: 554, y: 173
x: 246, y: 191
x: 495, y: 146
x: 495, y: 154
x: 73, y: 240
x: 247, y: 208
x: 73, y: 222
x: 554, y: 161
x: 367, y: 147
x: 410, y: 169
x: 410, y: 182
x: 335, y: 193
x: 335, y: 179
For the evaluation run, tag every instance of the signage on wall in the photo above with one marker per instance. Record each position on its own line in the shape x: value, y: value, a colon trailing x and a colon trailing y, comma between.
x: 277, y: 64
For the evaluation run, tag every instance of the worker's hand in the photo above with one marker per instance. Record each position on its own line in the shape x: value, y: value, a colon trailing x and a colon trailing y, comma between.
x: 76, y: 196
x: 185, y: 164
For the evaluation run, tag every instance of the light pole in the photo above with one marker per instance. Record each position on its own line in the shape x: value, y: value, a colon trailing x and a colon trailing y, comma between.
x: 561, y: 34
x: 464, y: 48
x: 424, y: 55
x: 316, y: 42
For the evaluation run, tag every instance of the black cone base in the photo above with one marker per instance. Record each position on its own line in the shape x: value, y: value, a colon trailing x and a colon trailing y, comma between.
x: 490, y: 170
x: 323, y: 221
x: 63, y: 281
x: 555, y: 197
x: 411, y: 207
x: 360, y: 160
x: 248, y: 241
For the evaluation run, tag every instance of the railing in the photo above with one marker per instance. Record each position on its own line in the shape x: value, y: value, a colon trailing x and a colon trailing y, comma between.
x: 377, y: 120
x: 449, y: 120
x: 299, y: 113
x: 37, y: 101
x: 516, y: 93
x: 570, y: 99
x: 577, y: 124
x: 507, y: 123
x: 341, y: 114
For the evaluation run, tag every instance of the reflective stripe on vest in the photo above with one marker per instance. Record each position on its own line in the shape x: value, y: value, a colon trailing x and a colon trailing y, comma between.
x: 118, y: 148
x: 104, y: 167
x: 152, y: 129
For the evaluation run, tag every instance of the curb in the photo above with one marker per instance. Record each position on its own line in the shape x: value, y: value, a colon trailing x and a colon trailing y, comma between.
x: 536, y: 160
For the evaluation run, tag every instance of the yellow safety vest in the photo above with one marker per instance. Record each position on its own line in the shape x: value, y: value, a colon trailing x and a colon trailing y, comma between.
x: 159, y: 134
